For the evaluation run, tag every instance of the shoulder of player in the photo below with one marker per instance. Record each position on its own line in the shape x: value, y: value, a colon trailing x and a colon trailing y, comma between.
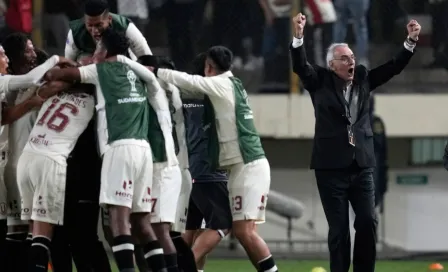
x: 120, y: 21
x: 76, y: 24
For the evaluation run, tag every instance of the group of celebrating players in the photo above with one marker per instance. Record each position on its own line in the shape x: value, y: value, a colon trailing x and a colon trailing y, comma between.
x: 160, y: 151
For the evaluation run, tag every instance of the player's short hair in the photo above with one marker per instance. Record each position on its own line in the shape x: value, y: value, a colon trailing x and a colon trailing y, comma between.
x: 15, y: 46
x: 198, y: 64
x: 157, y: 61
x: 115, y: 42
x: 41, y: 56
x: 95, y: 8
x: 221, y: 56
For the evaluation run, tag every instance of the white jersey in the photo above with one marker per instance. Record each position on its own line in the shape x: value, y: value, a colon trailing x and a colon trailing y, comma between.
x: 178, y: 118
x: 60, y: 122
x: 4, y: 130
x: 20, y: 130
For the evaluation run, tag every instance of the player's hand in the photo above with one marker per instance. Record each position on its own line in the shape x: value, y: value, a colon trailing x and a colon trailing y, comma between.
x: 150, y: 68
x: 299, y: 22
x: 413, y: 29
x: 64, y: 62
x: 36, y: 101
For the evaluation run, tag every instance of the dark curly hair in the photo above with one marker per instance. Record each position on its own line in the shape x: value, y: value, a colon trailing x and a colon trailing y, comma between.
x: 115, y: 42
x: 15, y: 46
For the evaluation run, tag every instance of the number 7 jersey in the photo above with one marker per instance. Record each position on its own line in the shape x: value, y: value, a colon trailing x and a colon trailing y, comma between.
x: 60, y: 122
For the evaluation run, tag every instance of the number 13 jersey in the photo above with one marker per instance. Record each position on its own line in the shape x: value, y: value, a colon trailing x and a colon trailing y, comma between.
x: 60, y: 122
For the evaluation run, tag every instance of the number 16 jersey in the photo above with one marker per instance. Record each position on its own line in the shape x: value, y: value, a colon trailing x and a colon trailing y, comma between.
x: 60, y: 122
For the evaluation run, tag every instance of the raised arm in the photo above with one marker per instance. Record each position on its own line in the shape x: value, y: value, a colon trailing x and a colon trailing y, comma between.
x: 32, y: 78
x: 85, y: 74
x: 385, y: 72
x: 138, y: 44
x: 71, y: 51
x: 212, y: 86
x: 308, y: 73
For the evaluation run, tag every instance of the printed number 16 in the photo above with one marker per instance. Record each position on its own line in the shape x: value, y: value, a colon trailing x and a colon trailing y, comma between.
x: 57, y: 114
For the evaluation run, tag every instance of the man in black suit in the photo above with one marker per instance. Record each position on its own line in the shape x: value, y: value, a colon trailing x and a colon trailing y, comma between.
x: 343, y: 155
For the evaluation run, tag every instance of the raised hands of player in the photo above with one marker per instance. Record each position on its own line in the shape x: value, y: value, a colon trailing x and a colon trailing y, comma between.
x: 299, y: 22
x: 413, y: 29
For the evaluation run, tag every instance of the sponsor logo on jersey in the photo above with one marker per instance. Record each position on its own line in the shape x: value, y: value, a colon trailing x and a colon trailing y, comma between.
x: 193, y: 105
x: 40, y: 140
x: 131, y: 100
x: 134, y: 95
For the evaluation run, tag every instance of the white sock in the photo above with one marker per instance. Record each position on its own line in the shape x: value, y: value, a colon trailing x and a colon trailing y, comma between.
x: 200, y: 270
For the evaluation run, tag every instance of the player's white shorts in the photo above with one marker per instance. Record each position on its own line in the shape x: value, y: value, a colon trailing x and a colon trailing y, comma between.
x: 13, y: 196
x: 184, y: 199
x: 126, y: 177
x: 248, y: 190
x: 3, y: 191
x: 41, y: 183
x: 165, y: 194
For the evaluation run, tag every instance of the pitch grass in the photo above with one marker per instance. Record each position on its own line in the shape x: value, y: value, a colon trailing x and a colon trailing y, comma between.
x: 222, y: 265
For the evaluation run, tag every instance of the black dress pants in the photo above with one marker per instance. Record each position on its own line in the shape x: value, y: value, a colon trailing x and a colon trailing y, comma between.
x: 336, y: 188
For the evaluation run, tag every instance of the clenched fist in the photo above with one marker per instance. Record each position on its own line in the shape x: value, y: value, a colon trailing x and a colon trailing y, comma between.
x: 299, y: 22
x: 413, y: 29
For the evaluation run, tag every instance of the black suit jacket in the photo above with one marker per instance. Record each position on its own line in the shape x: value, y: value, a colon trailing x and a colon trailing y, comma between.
x: 331, y: 149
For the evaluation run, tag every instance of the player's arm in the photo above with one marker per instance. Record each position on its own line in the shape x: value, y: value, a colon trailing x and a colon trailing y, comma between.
x: 71, y: 51
x: 32, y: 78
x: 138, y: 44
x: 11, y: 114
x: 85, y: 74
x: 52, y: 88
x: 212, y: 86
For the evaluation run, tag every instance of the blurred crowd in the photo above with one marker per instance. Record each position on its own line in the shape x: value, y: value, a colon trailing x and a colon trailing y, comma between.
x: 257, y: 31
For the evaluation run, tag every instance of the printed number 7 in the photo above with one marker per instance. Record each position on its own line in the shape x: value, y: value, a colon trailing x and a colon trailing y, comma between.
x: 153, y: 204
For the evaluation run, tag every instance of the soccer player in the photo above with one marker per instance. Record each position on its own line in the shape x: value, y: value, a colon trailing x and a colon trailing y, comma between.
x: 8, y: 115
x: 209, y: 199
x: 126, y: 177
x: 184, y: 254
x: 41, y: 170
x: 83, y: 171
x: 235, y: 145
x: 84, y: 33
x: 24, y: 79
x: 167, y: 185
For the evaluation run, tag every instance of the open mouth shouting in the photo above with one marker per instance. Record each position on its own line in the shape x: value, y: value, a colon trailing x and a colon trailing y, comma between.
x: 351, y: 72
